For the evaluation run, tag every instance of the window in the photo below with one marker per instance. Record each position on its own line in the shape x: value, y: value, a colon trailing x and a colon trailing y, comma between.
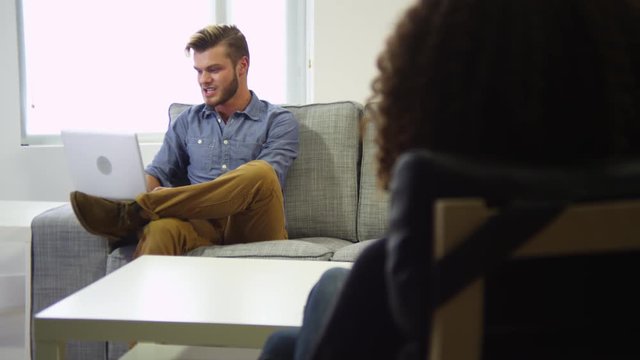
x: 117, y: 64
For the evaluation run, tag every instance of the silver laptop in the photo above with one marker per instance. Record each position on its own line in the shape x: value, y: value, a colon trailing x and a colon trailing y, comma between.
x: 108, y: 165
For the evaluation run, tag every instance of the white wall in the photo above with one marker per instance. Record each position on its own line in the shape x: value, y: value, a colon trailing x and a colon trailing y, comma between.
x: 348, y: 35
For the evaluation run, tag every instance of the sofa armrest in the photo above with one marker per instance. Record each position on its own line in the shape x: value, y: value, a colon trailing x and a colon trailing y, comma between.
x: 64, y: 259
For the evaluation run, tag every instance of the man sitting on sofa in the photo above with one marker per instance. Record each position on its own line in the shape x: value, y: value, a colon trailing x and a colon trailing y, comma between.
x: 219, y: 175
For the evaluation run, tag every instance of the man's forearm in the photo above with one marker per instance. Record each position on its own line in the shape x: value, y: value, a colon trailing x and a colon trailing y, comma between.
x: 152, y: 182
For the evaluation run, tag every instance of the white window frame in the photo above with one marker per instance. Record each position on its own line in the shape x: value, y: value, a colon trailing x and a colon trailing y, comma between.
x: 299, y: 77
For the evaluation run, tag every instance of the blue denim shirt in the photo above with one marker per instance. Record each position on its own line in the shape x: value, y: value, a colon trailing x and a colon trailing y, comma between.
x: 199, y: 146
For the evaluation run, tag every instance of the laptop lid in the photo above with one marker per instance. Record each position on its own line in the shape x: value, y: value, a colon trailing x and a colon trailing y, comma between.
x: 108, y: 165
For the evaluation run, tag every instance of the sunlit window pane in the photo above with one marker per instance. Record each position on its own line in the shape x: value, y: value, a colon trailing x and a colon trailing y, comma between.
x: 118, y: 64
x: 108, y: 64
x: 268, y: 69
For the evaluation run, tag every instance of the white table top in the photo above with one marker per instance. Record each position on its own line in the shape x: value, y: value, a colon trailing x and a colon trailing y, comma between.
x: 223, y: 296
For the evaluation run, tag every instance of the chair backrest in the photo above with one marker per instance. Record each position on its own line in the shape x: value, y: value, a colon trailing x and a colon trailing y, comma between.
x: 466, y: 230
x: 586, y: 210
x: 585, y: 228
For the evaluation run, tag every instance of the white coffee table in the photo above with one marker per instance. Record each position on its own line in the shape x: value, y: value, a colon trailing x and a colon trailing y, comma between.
x: 183, y: 300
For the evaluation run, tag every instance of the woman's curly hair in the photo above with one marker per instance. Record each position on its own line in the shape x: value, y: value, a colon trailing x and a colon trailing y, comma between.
x: 540, y: 82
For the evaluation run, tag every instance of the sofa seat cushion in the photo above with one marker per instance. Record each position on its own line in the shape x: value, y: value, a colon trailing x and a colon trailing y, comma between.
x: 350, y: 253
x: 274, y: 249
x: 120, y: 257
x: 331, y: 243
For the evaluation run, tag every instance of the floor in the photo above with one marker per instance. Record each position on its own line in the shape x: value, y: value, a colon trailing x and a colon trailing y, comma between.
x: 12, y: 334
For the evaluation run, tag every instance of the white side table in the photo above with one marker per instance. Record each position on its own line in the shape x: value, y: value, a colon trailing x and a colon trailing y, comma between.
x: 15, y: 262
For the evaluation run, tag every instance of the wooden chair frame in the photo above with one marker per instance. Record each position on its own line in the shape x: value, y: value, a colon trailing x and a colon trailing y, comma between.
x: 586, y: 228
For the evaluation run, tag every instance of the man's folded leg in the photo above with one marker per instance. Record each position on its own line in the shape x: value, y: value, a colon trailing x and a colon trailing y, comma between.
x: 171, y: 236
x: 249, y: 195
x: 112, y: 219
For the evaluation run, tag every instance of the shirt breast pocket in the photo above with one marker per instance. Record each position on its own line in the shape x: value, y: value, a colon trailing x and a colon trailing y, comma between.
x: 201, y: 152
x: 246, y: 151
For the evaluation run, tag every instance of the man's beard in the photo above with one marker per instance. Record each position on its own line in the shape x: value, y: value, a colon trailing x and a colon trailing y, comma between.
x: 228, y: 92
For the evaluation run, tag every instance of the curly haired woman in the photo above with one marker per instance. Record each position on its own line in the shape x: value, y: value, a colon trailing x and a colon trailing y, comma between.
x: 528, y: 82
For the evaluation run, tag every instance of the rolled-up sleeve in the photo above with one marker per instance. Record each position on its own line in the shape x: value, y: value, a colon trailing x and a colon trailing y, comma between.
x: 169, y: 165
x: 281, y: 145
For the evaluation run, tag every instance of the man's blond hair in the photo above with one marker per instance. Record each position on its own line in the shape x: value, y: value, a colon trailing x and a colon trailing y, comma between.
x: 214, y: 35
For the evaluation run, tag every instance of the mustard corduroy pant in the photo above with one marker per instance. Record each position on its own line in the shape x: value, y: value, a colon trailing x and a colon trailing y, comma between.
x: 243, y: 205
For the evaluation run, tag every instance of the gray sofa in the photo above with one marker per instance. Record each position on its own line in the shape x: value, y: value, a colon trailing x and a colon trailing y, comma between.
x: 333, y: 210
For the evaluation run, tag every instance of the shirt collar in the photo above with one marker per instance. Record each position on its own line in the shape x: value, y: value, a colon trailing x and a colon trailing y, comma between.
x: 252, y: 111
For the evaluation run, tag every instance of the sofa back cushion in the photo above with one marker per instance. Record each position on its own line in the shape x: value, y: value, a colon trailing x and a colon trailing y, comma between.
x: 175, y: 110
x: 374, y: 202
x: 321, y: 194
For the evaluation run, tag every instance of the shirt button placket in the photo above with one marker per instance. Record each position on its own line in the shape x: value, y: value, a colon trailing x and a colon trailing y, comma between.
x: 226, y: 154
